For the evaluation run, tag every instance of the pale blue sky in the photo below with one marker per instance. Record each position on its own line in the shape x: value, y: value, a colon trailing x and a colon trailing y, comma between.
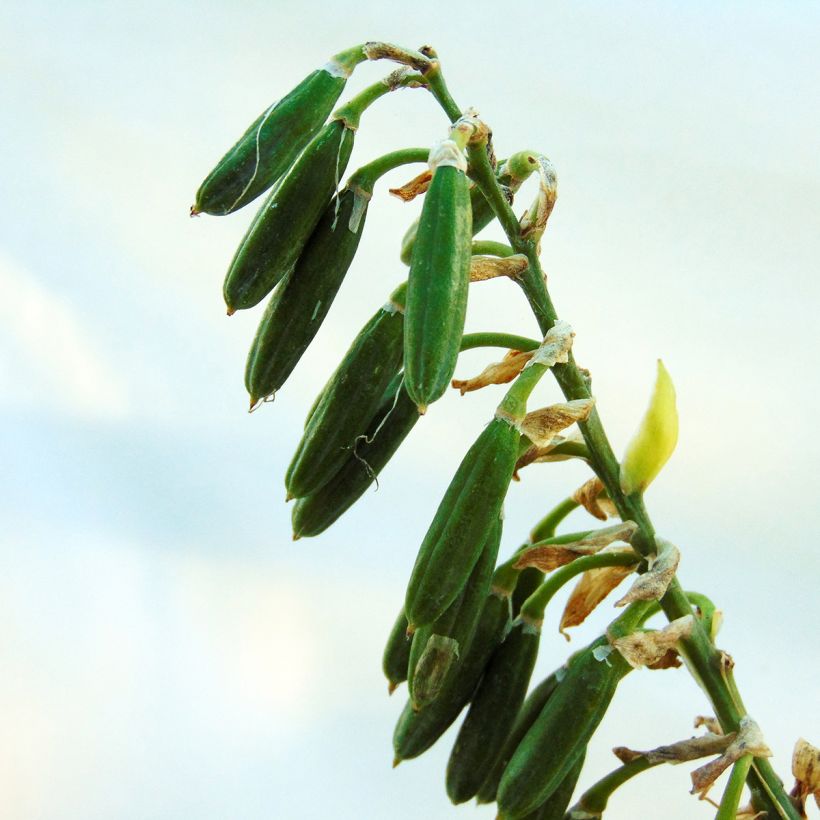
x: 167, y: 651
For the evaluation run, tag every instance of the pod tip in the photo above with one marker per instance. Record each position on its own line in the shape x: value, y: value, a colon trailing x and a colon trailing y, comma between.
x: 194, y: 210
x: 411, y: 628
x: 255, y: 402
x: 422, y: 408
x: 391, y: 687
x: 288, y: 497
x: 296, y: 536
x: 396, y: 761
x: 231, y: 310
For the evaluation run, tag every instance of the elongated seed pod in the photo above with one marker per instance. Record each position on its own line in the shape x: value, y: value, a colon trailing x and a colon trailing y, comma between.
x: 555, y: 806
x: 394, y: 420
x: 454, y: 539
x: 438, y: 647
x: 285, y: 221
x: 526, y: 717
x: 492, y: 712
x: 416, y: 731
x: 349, y: 401
x: 396, y: 654
x: 300, y: 303
x: 273, y: 141
x: 439, y: 279
x: 562, y: 730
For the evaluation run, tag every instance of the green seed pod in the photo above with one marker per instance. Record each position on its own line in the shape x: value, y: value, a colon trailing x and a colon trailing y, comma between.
x: 439, y: 279
x: 349, y: 401
x: 555, y: 806
x: 438, y: 646
x: 416, y: 731
x: 454, y: 540
x: 495, y: 704
x: 274, y: 140
x: 394, y: 420
x: 528, y: 581
x: 526, y: 717
x: 562, y: 730
x: 300, y: 303
x: 285, y: 221
x: 396, y: 654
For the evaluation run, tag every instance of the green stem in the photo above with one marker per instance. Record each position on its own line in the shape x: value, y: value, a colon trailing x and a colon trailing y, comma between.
x: 367, y: 176
x: 490, y: 339
x: 734, y: 788
x: 489, y: 248
x: 534, y: 607
x: 703, y: 659
x: 549, y: 523
x: 595, y: 799
x: 514, y: 403
x: 352, y: 110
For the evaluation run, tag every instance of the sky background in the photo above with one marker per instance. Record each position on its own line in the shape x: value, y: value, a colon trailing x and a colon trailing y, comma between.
x: 167, y: 651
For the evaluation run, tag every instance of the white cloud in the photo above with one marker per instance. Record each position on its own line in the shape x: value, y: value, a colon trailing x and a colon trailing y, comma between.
x: 47, y: 354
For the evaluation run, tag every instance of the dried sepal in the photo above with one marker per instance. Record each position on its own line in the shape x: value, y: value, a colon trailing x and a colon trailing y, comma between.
x: 748, y: 813
x: 675, y: 753
x: 497, y: 373
x: 652, y: 585
x: 592, y: 588
x: 559, y: 448
x: 415, y: 187
x: 548, y: 557
x: 534, y: 221
x: 556, y: 346
x: 747, y: 741
x: 712, y: 724
x: 491, y: 267
x: 806, y: 771
x: 656, y: 437
x: 592, y: 496
x: 541, y: 426
x: 646, y: 648
x: 669, y: 660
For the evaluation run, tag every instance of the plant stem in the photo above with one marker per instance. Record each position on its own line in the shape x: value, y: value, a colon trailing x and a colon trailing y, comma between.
x: 702, y: 657
x: 352, y: 110
x: 549, y: 523
x: 367, y: 175
x: 734, y: 788
x: 490, y: 339
x: 489, y: 248
x: 595, y: 799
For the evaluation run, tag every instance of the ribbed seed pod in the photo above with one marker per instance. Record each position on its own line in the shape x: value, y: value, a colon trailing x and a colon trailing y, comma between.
x: 439, y: 279
x: 454, y: 540
x: 526, y: 717
x: 396, y: 654
x: 562, y: 730
x: 273, y: 141
x: 492, y: 712
x: 285, y: 221
x: 349, y: 401
x: 300, y: 303
x: 438, y: 647
x: 555, y: 806
x: 393, y: 421
x: 415, y: 731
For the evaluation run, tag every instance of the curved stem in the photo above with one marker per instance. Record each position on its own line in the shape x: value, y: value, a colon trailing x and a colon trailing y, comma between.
x: 367, y: 176
x: 352, y: 110
x: 534, y: 607
x: 549, y: 523
x: 594, y: 800
x: 469, y: 341
x: 734, y: 788
x: 489, y: 248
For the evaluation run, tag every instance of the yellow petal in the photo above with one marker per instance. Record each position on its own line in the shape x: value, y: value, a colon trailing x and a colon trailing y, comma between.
x: 655, y: 439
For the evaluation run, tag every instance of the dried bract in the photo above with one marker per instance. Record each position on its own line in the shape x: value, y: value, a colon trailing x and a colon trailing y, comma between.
x: 652, y: 585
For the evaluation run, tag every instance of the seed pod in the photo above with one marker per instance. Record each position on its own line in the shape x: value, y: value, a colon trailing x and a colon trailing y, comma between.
x: 274, y: 140
x: 396, y: 654
x: 394, y: 420
x: 555, y: 806
x: 285, y: 221
x: 300, y: 303
x: 562, y: 730
x: 492, y: 712
x: 349, y: 401
x: 416, y: 731
x: 438, y: 646
x: 439, y: 279
x: 526, y: 717
x: 453, y: 542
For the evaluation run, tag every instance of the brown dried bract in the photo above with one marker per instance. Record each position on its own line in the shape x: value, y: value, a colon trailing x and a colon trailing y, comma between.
x: 497, y: 373
x: 590, y: 590
x: 690, y: 749
x: 669, y: 660
x: 534, y: 221
x: 548, y: 557
x: 556, y: 345
x: 646, y: 648
x: 417, y: 186
x: 712, y: 724
x: 652, y: 585
x: 747, y: 741
x: 491, y: 267
x: 592, y: 496
x: 806, y: 771
x: 541, y: 426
